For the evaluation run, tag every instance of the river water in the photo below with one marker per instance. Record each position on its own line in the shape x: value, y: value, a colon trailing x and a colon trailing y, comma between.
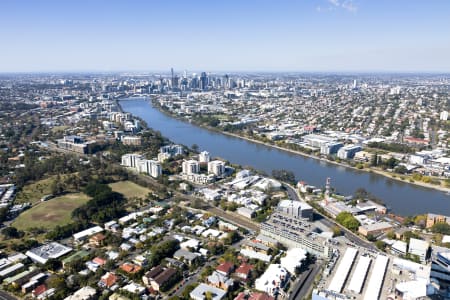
x: 401, y: 197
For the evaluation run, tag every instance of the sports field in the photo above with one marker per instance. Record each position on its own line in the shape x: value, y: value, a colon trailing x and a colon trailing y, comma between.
x: 56, y: 211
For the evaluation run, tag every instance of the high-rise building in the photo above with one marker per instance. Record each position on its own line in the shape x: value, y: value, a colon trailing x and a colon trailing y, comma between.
x: 203, y: 81
x: 204, y: 157
x: 131, y: 160
x: 216, y: 167
x: 190, y: 167
x: 136, y: 161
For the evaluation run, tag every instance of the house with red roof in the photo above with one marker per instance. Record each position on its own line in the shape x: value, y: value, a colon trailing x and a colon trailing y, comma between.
x: 99, y: 261
x: 108, y: 280
x: 130, y: 268
x: 97, y: 240
x: 225, y: 268
x: 253, y: 296
x: 39, y: 290
x: 244, y: 271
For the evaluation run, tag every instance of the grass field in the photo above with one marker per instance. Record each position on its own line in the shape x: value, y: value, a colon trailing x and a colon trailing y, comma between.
x: 60, y: 128
x: 35, y: 191
x: 130, y: 189
x: 56, y: 211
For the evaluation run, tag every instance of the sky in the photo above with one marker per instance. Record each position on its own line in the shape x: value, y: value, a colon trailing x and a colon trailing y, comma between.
x: 225, y: 35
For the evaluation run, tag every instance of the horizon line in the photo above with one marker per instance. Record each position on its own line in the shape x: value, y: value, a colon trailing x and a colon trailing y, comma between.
x: 398, y: 72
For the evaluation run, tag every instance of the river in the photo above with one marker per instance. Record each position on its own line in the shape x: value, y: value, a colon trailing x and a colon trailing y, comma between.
x: 401, y: 197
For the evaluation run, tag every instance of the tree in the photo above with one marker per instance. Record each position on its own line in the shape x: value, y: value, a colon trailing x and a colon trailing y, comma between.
x: 284, y: 175
x: 401, y: 170
x: 410, y: 234
x: 53, y: 264
x: 380, y: 245
x: 3, y: 214
x: 441, y: 227
x: 347, y: 220
x: 194, y: 147
x: 337, y: 231
x: 209, y: 295
x: 11, y: 232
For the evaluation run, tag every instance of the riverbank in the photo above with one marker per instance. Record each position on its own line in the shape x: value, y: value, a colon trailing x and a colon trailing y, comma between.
x: 393, y: 176
x: 368, y: 170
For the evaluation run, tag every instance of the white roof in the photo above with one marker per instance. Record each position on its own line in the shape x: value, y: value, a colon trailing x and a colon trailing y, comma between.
x: 400, y: 246
x: 293, y: 259
x: 274, y: 274
x: 337, y: 283
x: 82, y: 294
x: 212, y: 232
x: 11, y: 269
x: 446, y: 239
x: 412, y: 289
x: 294, y: 204
x: 88, y: 232
x: 376, y: 280
x: 191, y: 243
x: 134, y: 288
x: 256, y: 255
x: 199, y: 292
x: 420, y: 245
x: 357, y: 281
x: 51, y: 250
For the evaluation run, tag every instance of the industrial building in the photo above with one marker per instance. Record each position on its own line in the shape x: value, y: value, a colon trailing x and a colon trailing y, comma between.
x: 377, y: 277
x: 343, y: 270
x: 375, y: 228
x: 43, y: 253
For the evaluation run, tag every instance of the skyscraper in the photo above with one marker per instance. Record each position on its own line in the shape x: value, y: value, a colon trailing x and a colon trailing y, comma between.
x: 203, y: 81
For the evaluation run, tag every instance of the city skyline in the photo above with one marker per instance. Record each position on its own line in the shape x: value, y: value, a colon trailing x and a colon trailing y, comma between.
x: 291, y: 36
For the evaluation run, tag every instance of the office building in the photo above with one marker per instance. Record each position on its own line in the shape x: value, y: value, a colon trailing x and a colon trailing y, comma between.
x: 420, y: 248
x: 131, y: 140
x: 74, y: 143
x: 330, y: 148
x: 296, y: 209
x: 440, y: 268
x: 317, y: 140
x: 348, y: 152
x: 433, y: 219
x: 295, y: 233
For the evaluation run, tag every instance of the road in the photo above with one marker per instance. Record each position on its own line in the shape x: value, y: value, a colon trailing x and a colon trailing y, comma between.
x: 235, y: 218
x: 305, y: 282
x: 5, y: 296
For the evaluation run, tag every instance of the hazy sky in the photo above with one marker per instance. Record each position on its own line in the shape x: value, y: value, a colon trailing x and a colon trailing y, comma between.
x: 240, y: 35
